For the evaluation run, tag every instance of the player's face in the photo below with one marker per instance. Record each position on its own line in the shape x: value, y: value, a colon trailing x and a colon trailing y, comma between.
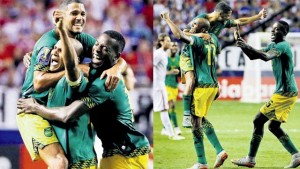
x: 277, y: 34
x: 166, y: 43
x: 197, y: 27
x: 104, y: 51
x: 174, y: 47
x: 56, y: 62
x: 224, y: 16
x: 75, y: 18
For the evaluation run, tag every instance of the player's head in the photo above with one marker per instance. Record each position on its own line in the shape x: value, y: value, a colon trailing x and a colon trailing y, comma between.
x: 108, y: 48
x: 75, y: 15
x: 200, y: 25
x: 174, y: 47
x: 279, y: 30
x: 56, y: 61
x: 224, y: 11
x: 163, y: 41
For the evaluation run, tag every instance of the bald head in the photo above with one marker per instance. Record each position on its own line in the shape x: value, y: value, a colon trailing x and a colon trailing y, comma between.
x: 200, y: 25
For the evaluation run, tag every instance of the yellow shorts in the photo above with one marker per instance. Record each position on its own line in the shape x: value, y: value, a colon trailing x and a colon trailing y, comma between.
x: 202, y: 100
x: 120, y: 162
x: 278, y: 107
x: 172, y: 93
x: 36, y: 133
x: 185, y: 64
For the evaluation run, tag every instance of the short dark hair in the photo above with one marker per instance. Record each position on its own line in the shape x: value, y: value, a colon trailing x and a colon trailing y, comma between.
x: 118, y: 37
x: 285, y: 26
x: 161, y: 37
x: 65, y: 3
x: 222, y: 6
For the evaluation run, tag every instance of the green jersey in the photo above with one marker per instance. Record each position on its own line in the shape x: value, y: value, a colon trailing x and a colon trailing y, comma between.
x: 217, y: 26
x: 112, y: 118
x: 203, y: 57
x: 76, y: 137
x: 283, y: 68
x: 173, y: 63
x: 40, y: 60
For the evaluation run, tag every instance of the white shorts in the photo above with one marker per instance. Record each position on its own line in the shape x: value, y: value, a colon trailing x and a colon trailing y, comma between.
x: 160, y: 100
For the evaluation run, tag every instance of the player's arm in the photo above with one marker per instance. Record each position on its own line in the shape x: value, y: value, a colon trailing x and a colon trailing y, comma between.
x: 246, y: 20
x: 61, y: 114
x: 204, y: 36
x: 176, y: 31
x: 172, y: 72
x: 70, y: 58
x: 254, y: 53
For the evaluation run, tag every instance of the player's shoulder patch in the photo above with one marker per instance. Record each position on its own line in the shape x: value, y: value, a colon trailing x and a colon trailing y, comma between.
x: 44, y: 56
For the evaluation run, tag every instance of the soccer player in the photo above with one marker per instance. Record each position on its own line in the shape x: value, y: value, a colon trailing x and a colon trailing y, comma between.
x: 219, y: 19
x: 172, y: 84
x: 36, y: 132
x: 203, y: 56
x: 111, y: 113
x: 282, y: 101
x: 160, y: 96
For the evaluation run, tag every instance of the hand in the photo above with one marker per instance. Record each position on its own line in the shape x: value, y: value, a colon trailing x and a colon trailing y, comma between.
x: 57, y: 16
x: 113, y: 76
x: 26, y: 59
x: 236, y: 33
x: 241, y: 43
x: 262, y: 14
x: 165, y: 15
x: 206, y: 36
x: 28, y: 106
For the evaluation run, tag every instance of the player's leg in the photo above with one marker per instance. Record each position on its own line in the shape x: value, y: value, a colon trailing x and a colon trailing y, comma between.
x: 53, y: 155
x: 287, y: 143
x: 187, y: 98
x: 187, y: 70
x: 39, y: 137
x: 198, y: 143
x: 249, y: 161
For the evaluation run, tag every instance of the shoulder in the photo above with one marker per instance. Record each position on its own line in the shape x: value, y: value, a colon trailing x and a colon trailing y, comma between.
x: 203, y: 15
x: 48, y: 39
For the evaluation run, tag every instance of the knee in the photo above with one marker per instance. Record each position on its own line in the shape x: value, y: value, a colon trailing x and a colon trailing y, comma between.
x: 257, y: 122
x: 272, y: 128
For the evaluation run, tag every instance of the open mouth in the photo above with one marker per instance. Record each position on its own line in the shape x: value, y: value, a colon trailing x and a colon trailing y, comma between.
x: 54, y: 61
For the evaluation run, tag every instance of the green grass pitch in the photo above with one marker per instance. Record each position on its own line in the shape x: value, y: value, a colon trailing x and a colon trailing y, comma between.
x: 232, y: 121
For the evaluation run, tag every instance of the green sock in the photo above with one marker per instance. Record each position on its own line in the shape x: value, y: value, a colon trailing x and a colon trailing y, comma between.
x: 288, y: 144
x: 173, y: 118
x: 211, y: 135
x: 187, y: 104
x: 254, y: 144
x: 199, y: 145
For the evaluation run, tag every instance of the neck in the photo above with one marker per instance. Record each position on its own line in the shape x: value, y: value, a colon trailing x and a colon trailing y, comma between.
x: 173, y: 55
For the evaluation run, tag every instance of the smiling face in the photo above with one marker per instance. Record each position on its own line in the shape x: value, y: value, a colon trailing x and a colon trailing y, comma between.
x: 277, y: 33
x: 56, y: 63
x: 105, y: 51
x: 75, y: 18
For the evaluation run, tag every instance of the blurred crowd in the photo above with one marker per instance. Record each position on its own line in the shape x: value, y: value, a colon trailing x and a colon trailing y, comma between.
x: 22, y: 22
x: 183, y: 11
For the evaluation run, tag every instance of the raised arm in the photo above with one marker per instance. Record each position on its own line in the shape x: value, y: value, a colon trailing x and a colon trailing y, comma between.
x: 69, y: 54
x: 175, y: 30
x: 61, y: 114
x: 244, y: 21
x: 254, y: 53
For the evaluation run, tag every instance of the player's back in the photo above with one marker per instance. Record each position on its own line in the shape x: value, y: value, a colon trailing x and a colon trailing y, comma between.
x: 204, y: 58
